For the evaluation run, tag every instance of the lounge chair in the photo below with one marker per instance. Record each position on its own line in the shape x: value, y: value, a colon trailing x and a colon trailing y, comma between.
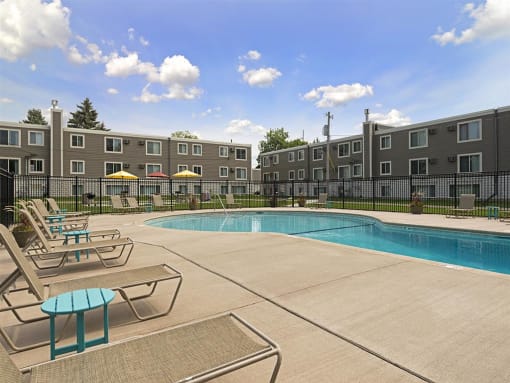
x: 60, y: 224
x: 321, y: 202
x: 95, y: 234
x: 43, y: 251
x: 504, y: 215
x: 55, y: 209
x: 466, y: 207
x: 146, y: 278
x: 230, y: 201
x: 193, y: 352
x: 133, y: 204
x: 118, y: 206
x: 158, y: 203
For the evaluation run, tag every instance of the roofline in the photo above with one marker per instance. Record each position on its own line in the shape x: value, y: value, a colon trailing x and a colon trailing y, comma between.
x: 391, y: 129
x: 315, y: 144
x: 23, y: 125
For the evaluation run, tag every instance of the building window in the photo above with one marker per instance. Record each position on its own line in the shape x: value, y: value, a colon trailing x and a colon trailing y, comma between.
x: 241, y: 154
x: 291, y: 157
x: 318, y: 174
x: 223, y: 171
x: 36, y: 166
x: 385, y: 168
x: 241, y: 174
x: 357, y: 170
x: 418, y: 166
x: 470, y: 163
x: 77, y: 167
x: 469, y: 131
x: 276, y: 159
x: 36, y: 138
x: 113, y: 145
x: 291, y: 175
x: 301, y: 155
x: 317, y: 154
x: 385, y: 190
x: 197, y: 169
x: 150, y: 189
x: 182, y: 148
x: 152, y: 168
x: 266, y: 177
x: 112, y: 167
x: 356, y: 146
x: 181, y: 168
x: 223, y: 151
x: 418, y: 139
x: 9, y: 137
x: 265, y: 162
x: 428, y: 191
x: 276, y: 176
x: 344, y: 172
x: 385, y: 142
x: 10, y: 164
x: 301, y: 174
x: 153, y: 148
x: 197, y: 149
x: 77, y: 141
x: 343, y: 150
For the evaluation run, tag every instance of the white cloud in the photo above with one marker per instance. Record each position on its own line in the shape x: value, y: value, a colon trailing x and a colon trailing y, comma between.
x: 491, y: 20
x: 178, y: 70
x: 393, y: 118
x: 5, y: 100
x: 244, y: 127
x: 27, y: 25
x: 131, y: 33
x: 124, y: 66
x: 241, y: 68
x: 329, y: 96
x: 92, y: 53
x: 143, y: 41
x: 211, y: 111
x: 112, y: 91
x: 33, y: 67
x: 251, y: 55
x: 147, y: 97
x: 262, y: 77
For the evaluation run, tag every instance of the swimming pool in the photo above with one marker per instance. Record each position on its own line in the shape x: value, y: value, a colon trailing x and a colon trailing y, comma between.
x: 480, y: 251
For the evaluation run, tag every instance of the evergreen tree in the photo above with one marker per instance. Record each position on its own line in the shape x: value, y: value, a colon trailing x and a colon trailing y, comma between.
x: 34, y: 116
x: 85, y: 117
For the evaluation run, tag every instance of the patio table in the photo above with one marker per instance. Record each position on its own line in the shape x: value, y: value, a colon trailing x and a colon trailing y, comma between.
x: 77, y: 302
x: 77, y: 234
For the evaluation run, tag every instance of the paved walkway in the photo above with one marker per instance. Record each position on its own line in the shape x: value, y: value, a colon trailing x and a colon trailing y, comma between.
x: 340, y: 314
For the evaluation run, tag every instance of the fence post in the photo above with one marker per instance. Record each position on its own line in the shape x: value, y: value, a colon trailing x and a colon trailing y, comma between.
x: 76, y: 193
x: 343, y: 193
x: 100, y: 195
x: 410, y: 186
x: 455, y: 196
x: 293, y: 191
x: 373, y: 193
x: 48, y: 186
x: 171, y: 188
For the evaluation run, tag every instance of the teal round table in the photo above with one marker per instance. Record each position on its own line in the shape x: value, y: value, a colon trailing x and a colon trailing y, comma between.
x: 78, y: 302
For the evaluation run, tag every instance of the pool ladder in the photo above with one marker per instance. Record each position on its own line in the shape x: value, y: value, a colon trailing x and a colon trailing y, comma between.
x: 222, y: 205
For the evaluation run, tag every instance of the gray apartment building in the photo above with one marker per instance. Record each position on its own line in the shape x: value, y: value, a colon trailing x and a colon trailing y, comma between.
x: 470, y: 143
x: 56, y: 150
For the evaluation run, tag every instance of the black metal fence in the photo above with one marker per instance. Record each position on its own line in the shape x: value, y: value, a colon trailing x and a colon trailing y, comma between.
x: 439, y: 193
x: 6, y: 196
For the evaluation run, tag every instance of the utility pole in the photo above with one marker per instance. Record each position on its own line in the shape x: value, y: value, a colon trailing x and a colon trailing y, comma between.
x: 326, y: 132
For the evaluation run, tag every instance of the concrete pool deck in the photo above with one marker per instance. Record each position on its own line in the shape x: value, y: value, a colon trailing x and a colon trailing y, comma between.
x: 339, y: 314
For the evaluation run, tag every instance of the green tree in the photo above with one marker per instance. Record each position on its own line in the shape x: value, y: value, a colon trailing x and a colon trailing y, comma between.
x: 34, y: 116
x: 184, y: 134
x: 278, y: 139
x: 85, y: 117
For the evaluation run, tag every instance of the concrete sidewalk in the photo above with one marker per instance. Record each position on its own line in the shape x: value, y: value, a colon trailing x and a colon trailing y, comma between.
x: 340, y: 314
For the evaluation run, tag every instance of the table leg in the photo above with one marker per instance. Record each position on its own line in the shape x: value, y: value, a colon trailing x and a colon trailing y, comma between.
x: 80, y: 331
x: 77, y: 253
x: 52, y: 337
x: 105, y: 323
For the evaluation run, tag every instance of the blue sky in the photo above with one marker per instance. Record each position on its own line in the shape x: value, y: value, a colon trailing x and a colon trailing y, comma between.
x: 232, y: 70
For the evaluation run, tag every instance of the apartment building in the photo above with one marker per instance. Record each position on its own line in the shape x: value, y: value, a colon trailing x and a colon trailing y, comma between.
x: 470, y: 143
x: 56, y: 150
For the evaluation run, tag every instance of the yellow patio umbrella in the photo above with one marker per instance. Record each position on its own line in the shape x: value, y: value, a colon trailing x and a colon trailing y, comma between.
x: 186, y: 174
x: 122, y: 175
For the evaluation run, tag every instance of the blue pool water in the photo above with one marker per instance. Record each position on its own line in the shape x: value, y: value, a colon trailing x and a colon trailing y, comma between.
x: 481, y: 251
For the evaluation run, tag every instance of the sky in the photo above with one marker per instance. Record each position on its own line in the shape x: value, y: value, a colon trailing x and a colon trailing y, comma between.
x: 233, y: 70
